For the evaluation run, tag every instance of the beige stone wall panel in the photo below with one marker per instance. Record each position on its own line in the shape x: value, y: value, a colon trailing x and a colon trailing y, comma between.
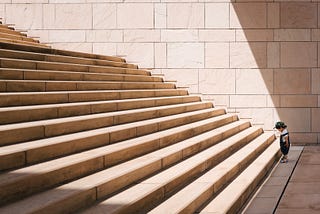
x: 299, y: 101
x: 292, y: 81
x: 67, y: 16
x: 248, y: 55
x: 298, y: 15
x: 298, y: 119
x: 105, y: 36
x: 186, y: 15
x: 135, y: 15
x: 298, y: 54
x: 315, y: 81
x: 29, y: 15
x: 188, y: 77
x: 217, y: 55
x: 248, y: 15
x: 315, y: 120
x: 254, y: 81
x: 185, y: 55
x: 104, y: 16
x: 137, y: 53
x: 217, y: 81
x: 217, y: 15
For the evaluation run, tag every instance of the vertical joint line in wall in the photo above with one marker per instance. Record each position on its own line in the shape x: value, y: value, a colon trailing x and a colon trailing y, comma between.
x: 91, y: 18
x: 267, y: 5
x: 229, y: 13
x: 204, y: 15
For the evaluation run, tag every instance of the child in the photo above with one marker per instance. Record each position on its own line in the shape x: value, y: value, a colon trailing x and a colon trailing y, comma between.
x: 284, y: 140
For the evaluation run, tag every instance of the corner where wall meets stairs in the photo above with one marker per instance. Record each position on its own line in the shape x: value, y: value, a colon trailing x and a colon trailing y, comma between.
x: 88, y: 133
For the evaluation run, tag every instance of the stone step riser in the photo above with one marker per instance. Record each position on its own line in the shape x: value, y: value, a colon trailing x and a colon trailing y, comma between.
x: 64, y: 59
x: 34, y: 113
x: 46, y: 129
x: 21, y: 74
x: 40, y: 65
x: 62, y: 147
x: 47, y: 86
x: 35, y: 183
x: 23, y: 99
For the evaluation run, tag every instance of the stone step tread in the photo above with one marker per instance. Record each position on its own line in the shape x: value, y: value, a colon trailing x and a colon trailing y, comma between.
x: 29, y: 74
x: 16, y: 54
x: 191, y: 197
x: 32, y: 152
x: 126, y: 200
x: 32, y: 98
x: 17, y: 37
x: 48, y: 49
x: 234, y: 192
x: 99, y: 115
x: 49, y: 85
x: 22, y: 42
x: 104, y: 178
x: 43, y: 65
x: 55, y: 127
x: 20, y: 114
x: 50, y: 106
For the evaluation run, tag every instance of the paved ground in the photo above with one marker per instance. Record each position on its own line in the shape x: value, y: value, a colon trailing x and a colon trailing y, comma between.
x: 292, y: 188
x: 302, y: 194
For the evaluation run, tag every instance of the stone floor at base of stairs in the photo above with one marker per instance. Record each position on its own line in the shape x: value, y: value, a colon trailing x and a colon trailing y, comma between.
x: 266, y: 199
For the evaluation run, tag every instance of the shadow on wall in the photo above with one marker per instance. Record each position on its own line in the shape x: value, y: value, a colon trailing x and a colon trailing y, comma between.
x: 278, y: 42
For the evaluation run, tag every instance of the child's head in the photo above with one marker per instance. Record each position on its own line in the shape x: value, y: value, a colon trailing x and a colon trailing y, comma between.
x: 280, y: 126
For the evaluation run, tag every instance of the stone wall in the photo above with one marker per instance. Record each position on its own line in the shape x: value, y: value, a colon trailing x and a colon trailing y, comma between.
x: 256, y: 57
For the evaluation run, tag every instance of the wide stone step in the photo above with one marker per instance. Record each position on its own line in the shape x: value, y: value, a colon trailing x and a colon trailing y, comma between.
x: 26, y: 74
x: 21, y: 132
x: 14, y: 41
x: 41, y: 65
x: 154, y: 189
x: 104, y: 182
x: 17, y: 37
x: 37, y: 98
x: 49, y: 85
x: 196, y: 193
x: 28, y: 153
x: 235, y: 195
x: 14, y: 54
x: 49, y: 50
x: 40, y: 112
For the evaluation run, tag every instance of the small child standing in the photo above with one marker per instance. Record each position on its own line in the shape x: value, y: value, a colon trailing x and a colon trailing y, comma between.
x: 284, y: 140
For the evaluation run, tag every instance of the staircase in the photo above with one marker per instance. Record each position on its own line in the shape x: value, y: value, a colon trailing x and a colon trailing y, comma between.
x: 88, y: 133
